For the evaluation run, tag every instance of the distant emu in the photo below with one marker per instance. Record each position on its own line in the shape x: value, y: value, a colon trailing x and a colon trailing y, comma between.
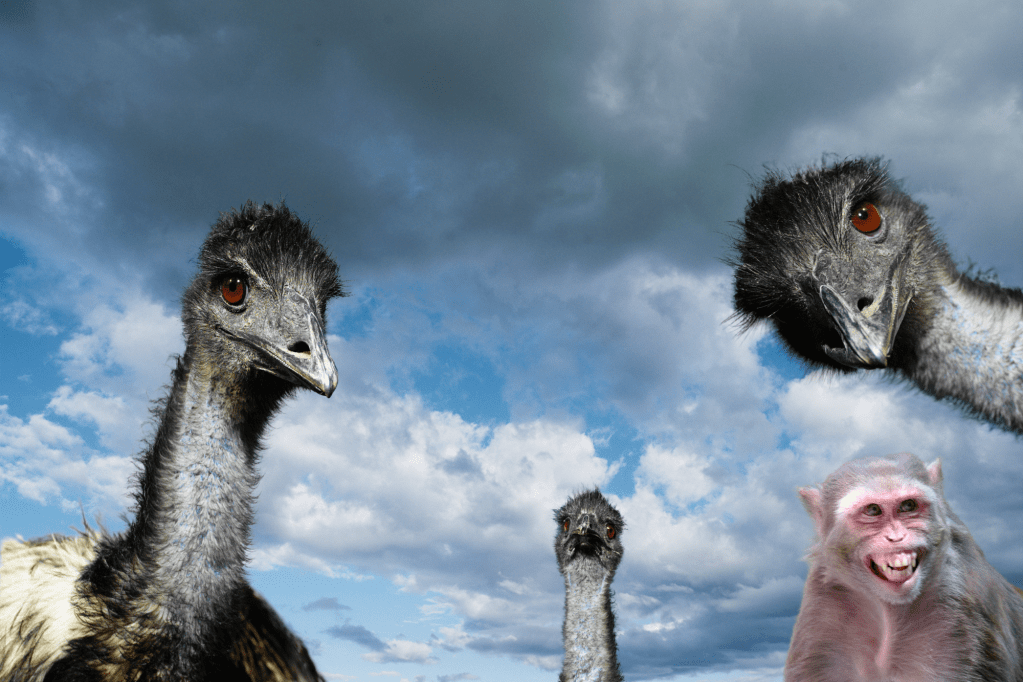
x: 168, y: 599
x: 588, y: 546
x: 847, y: 268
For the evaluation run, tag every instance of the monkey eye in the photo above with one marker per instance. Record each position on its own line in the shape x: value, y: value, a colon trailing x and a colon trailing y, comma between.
x: 564, y: 525
x: 233, y: 290
x: 908, y: 506
x: 866, y: 218
x: 872, y: 510
x: 611, y: 530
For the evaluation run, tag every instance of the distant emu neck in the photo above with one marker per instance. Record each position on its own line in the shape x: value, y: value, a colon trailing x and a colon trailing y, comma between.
x: 590, y: 654
x: 973, y: 351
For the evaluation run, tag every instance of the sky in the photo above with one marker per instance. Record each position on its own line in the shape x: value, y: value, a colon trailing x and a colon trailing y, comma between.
x: 532, y: 204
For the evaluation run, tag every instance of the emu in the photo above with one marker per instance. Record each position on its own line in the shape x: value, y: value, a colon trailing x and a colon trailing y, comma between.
x: 588, y: 547
x: 847, y: 268
x: 167, y: 599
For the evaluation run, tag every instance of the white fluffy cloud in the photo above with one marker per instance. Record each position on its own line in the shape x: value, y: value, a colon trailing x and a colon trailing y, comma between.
x: 48, y: 462
x: 360, y: 476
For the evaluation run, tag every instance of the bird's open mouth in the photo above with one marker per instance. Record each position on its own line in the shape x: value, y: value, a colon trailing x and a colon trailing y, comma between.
x: 896, y: 568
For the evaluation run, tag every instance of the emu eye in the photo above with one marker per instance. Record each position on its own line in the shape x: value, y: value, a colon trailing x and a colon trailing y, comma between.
x: 233, y: 290
x: 610, y: 531
x: 872, y: 510
x: 866, y: 219
x: 564, y: 525
x: 908, y: 506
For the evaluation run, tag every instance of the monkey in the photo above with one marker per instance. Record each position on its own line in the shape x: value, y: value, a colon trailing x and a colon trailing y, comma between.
x: 897, y: 588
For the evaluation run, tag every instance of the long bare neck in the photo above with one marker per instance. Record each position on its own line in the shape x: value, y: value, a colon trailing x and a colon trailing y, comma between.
x: 590, y: 651
x: 973, y: 351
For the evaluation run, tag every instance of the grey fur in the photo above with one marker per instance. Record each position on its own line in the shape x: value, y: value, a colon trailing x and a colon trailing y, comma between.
x: 891, y: 298
x: 588, y: 548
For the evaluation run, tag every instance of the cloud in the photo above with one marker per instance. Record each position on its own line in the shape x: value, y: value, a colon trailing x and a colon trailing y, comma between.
x: 326, y: 604
x: 47, y: 462
x: 25, y: 317
x: 402, y: 651
x: 357, y: 634
x: 399, y: 487
x: 531, y: 205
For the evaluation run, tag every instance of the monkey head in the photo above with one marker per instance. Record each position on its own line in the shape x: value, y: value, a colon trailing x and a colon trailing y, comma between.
x: 881, y: 522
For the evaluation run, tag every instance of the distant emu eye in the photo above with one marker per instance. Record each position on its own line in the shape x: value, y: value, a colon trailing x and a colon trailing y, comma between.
x: 565, y: 525
x: 233, y: 290
x: 866, y: 218
x: 872, y: 510
x: 907, y: 506
x: 610, y: 531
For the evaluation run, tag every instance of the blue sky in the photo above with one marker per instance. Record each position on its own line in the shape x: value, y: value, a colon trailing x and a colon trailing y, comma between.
x: 531, y: 203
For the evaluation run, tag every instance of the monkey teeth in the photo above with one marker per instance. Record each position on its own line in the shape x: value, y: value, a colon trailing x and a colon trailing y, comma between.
x: 896, y: 568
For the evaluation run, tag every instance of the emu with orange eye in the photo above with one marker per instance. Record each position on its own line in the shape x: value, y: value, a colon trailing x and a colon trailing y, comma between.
x: 611, y: 530
x: 233, y: 290
x: 866, y: 218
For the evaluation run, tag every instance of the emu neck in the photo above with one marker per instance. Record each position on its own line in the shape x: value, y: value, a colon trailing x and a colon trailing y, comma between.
x: 590, y: 654
x: 195, y: 504
x: 973, y: 351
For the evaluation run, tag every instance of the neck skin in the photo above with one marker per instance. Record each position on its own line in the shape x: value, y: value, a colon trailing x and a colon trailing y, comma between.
x: 973, y: 350
x: 590, y: 652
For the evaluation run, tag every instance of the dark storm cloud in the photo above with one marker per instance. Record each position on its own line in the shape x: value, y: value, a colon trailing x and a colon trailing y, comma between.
x: 179, y: 113
x: 411, y: 131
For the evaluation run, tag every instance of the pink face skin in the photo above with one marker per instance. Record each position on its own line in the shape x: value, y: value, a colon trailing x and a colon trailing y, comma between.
x: 892, y: 527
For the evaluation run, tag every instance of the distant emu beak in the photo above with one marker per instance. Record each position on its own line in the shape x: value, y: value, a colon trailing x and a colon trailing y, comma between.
x: 869, y: 332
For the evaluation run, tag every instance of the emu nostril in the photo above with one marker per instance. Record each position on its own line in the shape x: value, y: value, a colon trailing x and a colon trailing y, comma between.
x: 299, y: 347
x: 864, y: 302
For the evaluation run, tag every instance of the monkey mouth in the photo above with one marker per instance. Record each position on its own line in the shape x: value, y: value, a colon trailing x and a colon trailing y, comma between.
x: 897, y: 567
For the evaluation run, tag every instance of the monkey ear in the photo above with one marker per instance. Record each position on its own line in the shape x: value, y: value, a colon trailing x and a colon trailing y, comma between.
x: 934, y: 472
x: 812, y: 501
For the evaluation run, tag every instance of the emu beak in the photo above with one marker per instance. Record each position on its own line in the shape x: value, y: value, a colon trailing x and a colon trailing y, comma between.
x: 293, y: 345
x: 869, y: 334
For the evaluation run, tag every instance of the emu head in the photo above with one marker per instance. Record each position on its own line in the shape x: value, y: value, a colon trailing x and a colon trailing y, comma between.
x: 258, y: 303
x: 589, y: 535
x: 835, y: 257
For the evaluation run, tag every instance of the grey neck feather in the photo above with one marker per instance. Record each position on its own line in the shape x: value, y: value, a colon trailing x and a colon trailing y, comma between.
x: 200, y: 529
x: 590, y: 654
x: 973, y: 353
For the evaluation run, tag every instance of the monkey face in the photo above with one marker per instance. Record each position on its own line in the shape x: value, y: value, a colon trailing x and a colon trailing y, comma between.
x: 888, y: 528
